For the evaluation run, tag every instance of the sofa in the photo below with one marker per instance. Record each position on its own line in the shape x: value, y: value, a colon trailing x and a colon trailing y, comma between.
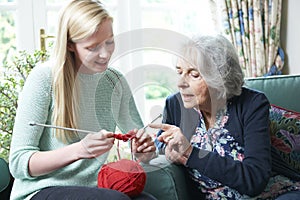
x: 168, y: 181
x: 5, y: 180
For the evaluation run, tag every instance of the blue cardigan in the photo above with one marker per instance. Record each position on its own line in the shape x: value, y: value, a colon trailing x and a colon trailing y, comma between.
x: 249, y: 123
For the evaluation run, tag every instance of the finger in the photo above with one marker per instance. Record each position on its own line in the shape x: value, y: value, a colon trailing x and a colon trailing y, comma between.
x: 145, y: 138
x: 161, y: 138
x: 107, y: 134
x: 139, y: 132
x: 103, y: 138
x: 141, y: 146
x: 163, y: 127
x: 145, y: 147
x: 101, y: 142
x: 165, y: 137
x: 111, y: 140
x: 149, y: 149
x: 168, y: 139
x: 134, y: 145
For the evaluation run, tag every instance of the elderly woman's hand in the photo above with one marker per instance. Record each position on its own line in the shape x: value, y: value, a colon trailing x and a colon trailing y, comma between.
x: 178, y: 148
x: 143, y: 146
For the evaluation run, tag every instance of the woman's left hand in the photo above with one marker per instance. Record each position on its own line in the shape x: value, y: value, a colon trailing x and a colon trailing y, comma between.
x: 143, y: 146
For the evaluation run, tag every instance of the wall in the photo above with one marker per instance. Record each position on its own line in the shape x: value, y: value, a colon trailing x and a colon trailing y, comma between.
x: 290, y: 36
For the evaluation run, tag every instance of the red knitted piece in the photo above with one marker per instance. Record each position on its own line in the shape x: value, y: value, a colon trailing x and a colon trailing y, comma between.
x: 126, y: 176
x: 125, y: 137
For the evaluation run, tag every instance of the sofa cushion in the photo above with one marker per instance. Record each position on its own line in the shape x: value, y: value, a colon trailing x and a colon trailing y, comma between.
x: 285, y: 139
x: 4, y: 175
x: 282, y: 90
x: 167, y: 181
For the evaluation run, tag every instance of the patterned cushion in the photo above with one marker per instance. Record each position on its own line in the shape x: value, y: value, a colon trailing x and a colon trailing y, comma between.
x: 285, y: 138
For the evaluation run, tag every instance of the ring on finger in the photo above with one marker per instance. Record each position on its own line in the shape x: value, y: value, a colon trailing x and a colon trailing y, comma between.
x: 170, y: 138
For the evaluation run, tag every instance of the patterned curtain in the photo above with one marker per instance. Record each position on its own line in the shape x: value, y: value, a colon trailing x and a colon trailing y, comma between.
x: 253, y: 26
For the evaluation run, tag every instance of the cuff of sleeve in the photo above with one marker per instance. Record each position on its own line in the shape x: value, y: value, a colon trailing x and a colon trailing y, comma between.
x: 195, y: 155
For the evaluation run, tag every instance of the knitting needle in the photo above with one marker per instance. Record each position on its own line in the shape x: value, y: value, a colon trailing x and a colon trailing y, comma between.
x: 85, y: 131
x: 144, y: 128
x: 159, y: 116
x: 59, y: 127
x: 79, y: 130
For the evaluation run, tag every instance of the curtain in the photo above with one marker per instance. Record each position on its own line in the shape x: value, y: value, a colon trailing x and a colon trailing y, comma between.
x: 253, y: 26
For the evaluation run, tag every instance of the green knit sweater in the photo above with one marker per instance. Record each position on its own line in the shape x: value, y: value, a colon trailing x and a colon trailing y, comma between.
x: 106, y: 102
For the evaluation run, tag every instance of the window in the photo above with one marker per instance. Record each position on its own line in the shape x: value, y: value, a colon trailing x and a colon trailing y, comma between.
x: 21, y: 22
x: 8, y: 28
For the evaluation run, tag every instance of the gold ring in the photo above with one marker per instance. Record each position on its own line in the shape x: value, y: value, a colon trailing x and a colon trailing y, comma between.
x: 170, y: 138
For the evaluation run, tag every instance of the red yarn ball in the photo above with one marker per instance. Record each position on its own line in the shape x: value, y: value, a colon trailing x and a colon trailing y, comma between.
x: 126, y: 176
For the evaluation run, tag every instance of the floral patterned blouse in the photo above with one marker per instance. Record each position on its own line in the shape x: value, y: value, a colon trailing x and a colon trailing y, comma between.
x: 228, y: 169
x: 219, y: 140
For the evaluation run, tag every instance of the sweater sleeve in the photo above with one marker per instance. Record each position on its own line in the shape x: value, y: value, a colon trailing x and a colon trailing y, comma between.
x: 251, y: 175
x: 169, y: 117
x: 33, y: 106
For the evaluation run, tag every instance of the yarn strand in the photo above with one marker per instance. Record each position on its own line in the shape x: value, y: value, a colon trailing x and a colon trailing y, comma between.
x: 124, y: 175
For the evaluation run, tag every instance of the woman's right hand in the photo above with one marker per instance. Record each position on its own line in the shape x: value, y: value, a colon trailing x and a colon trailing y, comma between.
x: 178, y: 148
x: 91, y: 146
x: 96, y: 144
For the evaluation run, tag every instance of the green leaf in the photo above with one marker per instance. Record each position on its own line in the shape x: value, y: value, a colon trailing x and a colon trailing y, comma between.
x: 14, y: 76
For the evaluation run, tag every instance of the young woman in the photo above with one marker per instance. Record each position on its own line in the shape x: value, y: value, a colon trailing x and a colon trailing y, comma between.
x: 76, y: 90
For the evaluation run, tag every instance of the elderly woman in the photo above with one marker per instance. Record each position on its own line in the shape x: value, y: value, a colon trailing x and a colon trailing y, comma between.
x: 216, y: 127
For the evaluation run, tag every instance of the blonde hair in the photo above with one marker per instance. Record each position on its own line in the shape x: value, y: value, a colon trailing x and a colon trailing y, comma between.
x: 78, y: 20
